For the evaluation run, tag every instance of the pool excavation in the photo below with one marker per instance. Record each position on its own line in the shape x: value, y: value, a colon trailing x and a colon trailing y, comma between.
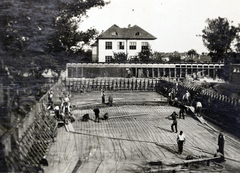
x: 136, y: 136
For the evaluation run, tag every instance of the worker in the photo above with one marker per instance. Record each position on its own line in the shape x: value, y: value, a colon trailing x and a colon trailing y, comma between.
x: 96, y: 111
x: 180, y: 141
x: 174, y: 116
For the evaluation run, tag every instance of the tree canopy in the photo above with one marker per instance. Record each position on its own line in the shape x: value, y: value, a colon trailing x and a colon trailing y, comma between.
x: 120, y: 57
x: 218, y: 37
x: 36, y: 35
x: 145, y: 55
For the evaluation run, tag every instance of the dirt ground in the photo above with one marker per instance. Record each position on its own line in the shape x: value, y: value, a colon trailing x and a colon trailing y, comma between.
x: 136, y: 136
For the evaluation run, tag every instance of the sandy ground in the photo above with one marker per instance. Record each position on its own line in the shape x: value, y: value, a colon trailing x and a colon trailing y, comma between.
x: 134, y: 135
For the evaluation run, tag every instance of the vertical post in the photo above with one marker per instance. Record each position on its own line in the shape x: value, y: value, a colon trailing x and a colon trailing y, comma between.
x: 214, y: 73
x: 208, y: 71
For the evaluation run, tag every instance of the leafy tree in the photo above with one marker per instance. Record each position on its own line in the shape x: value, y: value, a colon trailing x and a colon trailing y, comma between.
x: 120, y: 57
x: 192, y: 52
x: 218, y: 36
x: 38, y: 35
x: 157, y: 57
x: 42, y: 33
x: 145, y: 55
x: 174, y: 58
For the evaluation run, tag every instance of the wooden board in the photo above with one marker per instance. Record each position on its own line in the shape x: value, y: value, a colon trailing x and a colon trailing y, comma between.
x: 69, y: 127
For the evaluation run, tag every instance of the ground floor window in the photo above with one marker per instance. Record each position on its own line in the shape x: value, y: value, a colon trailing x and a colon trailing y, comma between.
x: 133, y: 59
x: 108, y: 58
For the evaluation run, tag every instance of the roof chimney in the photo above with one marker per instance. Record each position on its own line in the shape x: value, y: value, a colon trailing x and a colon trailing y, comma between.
x: 129, y: 25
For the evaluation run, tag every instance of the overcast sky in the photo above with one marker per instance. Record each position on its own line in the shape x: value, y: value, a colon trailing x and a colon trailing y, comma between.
x: 175, y: 23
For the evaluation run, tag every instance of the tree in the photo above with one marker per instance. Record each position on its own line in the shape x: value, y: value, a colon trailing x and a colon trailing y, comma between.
x: 120, y: 57
x: 217, y: 37
x: 145, y: 55
x: 37, y: 35
x: 157, y: 57
x: 42, y: 33
x: 174, y: 58
x: 192, y: 52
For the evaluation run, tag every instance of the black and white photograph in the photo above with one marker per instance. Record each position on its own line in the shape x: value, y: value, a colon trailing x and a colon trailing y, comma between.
x: 119, y: 86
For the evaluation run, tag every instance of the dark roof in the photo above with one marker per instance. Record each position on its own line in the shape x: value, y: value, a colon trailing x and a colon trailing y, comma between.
x: 134, y: 32
x: 94, y: 44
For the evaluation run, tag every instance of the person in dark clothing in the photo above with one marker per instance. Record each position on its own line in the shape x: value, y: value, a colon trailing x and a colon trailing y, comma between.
x: 96, y: 111
x: 182, y: 112
x: 221, y: 141
x: 219, y: 156
x: 174, y: 116
x: 103, y: 97
x: 180, y: 142
x: 110, y: 100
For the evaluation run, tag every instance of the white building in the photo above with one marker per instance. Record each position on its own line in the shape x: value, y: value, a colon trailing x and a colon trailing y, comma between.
x: 129, y: 40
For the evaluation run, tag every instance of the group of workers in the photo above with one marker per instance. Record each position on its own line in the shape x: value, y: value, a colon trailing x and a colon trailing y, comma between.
x: 65, y: 108
x: 60, y: 110
x: 181, y: 137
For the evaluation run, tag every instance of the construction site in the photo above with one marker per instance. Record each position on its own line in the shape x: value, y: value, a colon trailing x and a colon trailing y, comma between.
x: 133, y: 133
x: 137, y: 137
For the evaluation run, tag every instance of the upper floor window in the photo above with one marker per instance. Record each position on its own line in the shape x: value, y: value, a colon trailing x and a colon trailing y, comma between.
x: 144, y: 45
x: 120, y: 45
x: 108, y: 58
x: 108, y: 45
x: 133, y: 45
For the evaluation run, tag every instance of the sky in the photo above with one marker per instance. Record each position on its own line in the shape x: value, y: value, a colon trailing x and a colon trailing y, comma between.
x: 175, y: 23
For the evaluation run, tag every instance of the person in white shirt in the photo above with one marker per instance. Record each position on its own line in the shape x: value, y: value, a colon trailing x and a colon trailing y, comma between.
x: 180, y: 140
x: 66, y: 104
x: 198, y: 108
x: 186, y: 98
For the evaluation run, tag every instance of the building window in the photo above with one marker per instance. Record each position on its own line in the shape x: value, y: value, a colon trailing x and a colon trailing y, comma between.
x: 137, y: 33
x: 144, y: 45
x: 120, y: 45
x: 114, y: 33
x: 108, y: 58
x: 108, y: 45
x: 133, y: 45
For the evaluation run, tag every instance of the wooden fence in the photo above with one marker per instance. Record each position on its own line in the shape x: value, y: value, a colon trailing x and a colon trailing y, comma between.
x: 144, y: 84
x: 27, y: 142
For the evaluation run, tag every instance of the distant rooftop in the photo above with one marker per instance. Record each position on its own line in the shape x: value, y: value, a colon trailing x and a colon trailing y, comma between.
x: 134, y: 32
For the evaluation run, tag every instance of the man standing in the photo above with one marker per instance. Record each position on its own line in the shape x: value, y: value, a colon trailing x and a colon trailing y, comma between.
x: 198, y: 108
x: 182, y: 112
x: 221, y: 141
x: 180, y: 141
x: 96, y: 111
x: 103, y: 96
x: 110, y: 100
x: 186, y: 98
x: 174, y: 118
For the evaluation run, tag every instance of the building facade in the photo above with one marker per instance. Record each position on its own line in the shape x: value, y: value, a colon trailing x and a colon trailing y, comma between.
x: 129, y: 41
